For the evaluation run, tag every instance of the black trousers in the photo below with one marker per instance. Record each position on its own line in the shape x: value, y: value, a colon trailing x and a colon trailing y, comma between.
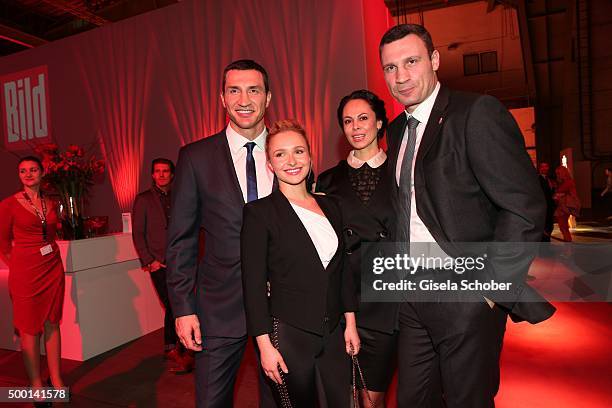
x: 216, y: 368
x: 319, y: 368
x: 159, y: 283
x: 457, y: 344
x: 549, y: 225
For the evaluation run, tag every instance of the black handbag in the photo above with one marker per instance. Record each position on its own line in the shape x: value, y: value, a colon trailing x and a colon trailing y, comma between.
x: 282, y: 387
x: 357, y: 370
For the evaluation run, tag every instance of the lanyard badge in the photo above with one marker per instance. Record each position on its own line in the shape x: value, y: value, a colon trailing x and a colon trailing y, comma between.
x: 43, y: 217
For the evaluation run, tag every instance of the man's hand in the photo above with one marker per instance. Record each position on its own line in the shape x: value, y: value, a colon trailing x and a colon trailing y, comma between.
x: 188, y: 331
x: 155, y: 266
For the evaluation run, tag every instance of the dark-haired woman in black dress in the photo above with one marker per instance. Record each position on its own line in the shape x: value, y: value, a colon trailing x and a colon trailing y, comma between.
x: 360, y: 184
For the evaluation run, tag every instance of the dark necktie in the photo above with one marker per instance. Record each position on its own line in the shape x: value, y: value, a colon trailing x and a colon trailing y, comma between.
x: 405, y: 183
x: 251, y: 175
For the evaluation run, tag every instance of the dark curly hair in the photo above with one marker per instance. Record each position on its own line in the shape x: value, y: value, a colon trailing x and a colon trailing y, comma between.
x: 376, y: 104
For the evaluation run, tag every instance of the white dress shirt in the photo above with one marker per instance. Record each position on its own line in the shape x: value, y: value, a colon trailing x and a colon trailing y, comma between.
x: 418, y: 230
x: 265, y: 177
x: 375, y: 161
x: 320, y: 231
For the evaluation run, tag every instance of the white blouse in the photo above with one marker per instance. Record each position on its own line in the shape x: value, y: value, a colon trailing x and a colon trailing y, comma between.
x: 321, y: 233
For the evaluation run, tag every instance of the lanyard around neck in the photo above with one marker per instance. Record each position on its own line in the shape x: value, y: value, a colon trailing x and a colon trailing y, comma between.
x: 43, y: 216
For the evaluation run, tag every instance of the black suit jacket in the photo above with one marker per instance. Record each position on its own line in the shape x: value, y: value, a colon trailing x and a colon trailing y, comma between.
x: 276, y: 248
x: 206, y: 194
x: 550, y: 204
x: 149, y: 227
x: 474, y: 182
x: 374, y: 222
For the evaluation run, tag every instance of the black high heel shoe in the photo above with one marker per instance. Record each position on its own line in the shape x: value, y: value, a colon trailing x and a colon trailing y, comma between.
x: 43, y: 404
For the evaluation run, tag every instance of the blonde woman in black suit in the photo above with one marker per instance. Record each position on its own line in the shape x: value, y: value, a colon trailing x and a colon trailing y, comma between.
x: 295, y: 291
x: 361, y: 185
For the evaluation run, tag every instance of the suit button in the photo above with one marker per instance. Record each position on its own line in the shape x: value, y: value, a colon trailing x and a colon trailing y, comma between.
x: 349, y: 252
x: 326, y: 319
x: 349, y: 232
x: 383, y: 234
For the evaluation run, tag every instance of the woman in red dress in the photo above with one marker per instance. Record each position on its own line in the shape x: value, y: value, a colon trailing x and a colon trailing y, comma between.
x: 36, y: 276
x: 566, y: 198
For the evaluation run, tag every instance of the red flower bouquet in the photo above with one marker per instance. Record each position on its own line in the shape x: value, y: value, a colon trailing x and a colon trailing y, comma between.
x: 71, y: 173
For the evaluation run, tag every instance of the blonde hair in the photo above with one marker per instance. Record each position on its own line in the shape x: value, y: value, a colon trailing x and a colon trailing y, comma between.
x: 286, y: 125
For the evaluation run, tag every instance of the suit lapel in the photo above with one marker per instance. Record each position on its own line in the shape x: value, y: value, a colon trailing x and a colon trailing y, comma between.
x: 434, y: 126
x: 336, y: 223
x: 224, y: 151
x: 435, y: 123
x: 331, y: 215
x: 275, y: 184
x: 293, y: 223
x: 395, y: 141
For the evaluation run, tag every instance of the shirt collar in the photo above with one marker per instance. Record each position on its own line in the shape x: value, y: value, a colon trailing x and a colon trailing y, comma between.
x: 423, y: 110
x: 236, y: 141
x: 160, y: 191
x: 375, y: 161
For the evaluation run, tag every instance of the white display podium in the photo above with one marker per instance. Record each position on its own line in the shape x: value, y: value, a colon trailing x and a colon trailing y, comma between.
x: 108, y: 301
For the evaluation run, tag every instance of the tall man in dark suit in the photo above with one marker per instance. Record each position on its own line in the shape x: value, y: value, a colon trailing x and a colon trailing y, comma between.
x: 215, y: 177
x: 151, y: 213
x: 462, y: 174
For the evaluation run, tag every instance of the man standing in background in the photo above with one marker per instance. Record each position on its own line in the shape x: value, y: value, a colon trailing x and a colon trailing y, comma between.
x: 151, y: 214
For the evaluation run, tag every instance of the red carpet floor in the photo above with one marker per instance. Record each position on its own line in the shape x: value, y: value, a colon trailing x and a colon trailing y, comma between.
x: 563, y: 362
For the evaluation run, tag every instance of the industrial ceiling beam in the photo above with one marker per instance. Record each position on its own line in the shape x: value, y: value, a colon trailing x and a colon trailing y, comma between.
x: 401, y: 7
x: 19, y: 37
x: 78, y: 11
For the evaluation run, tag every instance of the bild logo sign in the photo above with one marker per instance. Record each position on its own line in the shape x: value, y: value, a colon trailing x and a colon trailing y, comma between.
x: 26, y: 119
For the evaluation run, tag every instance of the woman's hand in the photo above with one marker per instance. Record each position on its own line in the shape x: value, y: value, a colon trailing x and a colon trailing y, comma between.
x: 351, y: 337
x: 271, y: 359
